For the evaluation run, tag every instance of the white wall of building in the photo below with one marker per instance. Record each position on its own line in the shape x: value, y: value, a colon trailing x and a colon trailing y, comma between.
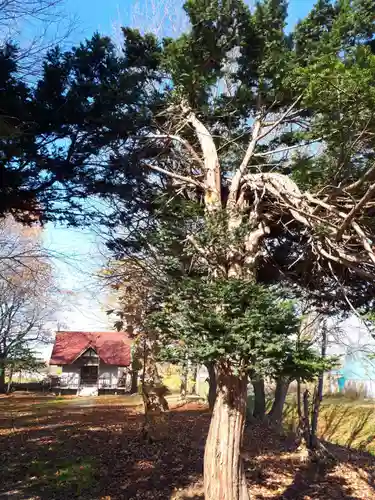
x: 70, y: 376
x: 108, y: 376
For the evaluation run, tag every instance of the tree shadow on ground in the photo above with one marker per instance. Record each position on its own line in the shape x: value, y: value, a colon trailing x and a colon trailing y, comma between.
x: 337, y: 478
x: 93, y: 453
x: 67, y: 452
x: 290, y: 474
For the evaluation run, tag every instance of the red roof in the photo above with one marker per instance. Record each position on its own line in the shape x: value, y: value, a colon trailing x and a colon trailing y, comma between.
x: 113, y: 348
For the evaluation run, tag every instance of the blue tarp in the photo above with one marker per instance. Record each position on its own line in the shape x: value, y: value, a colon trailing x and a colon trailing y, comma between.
x: 341, y: 383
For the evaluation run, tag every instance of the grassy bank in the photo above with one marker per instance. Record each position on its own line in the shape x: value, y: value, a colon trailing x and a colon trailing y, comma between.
x: 342, y: 421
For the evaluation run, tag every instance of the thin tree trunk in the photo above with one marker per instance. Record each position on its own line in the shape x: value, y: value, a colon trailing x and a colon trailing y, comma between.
x: 306, y: 418
x: 259, y: 410
x: 299, y: 402
x: 195, y: 375
x: 276, y: 413
x: 314, y: 419
x: 318, y: 395
x: 299, y: 410
x: 134, y: 382
x: 2, y: 378
x: 224, y: 475
x: 184, y: 381
x: 212, y: 385
x: 9, y: 385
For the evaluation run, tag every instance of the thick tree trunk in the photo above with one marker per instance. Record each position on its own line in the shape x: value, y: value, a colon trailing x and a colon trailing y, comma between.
x: 259, y: 410
x: 153, y: 393
x: 212, y: 385
x: 276, y: 413
x: 224, y: 475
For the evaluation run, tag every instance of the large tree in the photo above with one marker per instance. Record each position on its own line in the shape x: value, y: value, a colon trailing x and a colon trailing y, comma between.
x: 28, y: 30
x: 56, y: 137
x: 26, y: 302
x: 270, y: 132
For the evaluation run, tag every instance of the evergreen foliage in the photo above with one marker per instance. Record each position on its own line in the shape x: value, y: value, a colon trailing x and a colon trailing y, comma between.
x: 247, y: 325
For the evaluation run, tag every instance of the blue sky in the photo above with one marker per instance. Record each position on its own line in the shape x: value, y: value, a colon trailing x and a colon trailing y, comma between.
x: 81, y: 255
x: 94, y: 15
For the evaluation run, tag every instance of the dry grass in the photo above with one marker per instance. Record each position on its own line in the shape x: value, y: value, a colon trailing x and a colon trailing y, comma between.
x: 343, y: 422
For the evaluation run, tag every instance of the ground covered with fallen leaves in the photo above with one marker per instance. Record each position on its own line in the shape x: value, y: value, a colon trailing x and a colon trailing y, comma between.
x: 91, y: 449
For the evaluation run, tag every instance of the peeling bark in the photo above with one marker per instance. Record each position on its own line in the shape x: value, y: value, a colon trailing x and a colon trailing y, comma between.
x: 224, y: 475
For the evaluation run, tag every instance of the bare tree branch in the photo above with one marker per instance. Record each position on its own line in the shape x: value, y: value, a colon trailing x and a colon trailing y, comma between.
x: 235, y: 184
x: 366, y: 177
x: 362, y: 202
x: 281, y: 119
x: 173, y: 175
x: 210, y: 158
x: 283, y: 150
x: 177, y: 138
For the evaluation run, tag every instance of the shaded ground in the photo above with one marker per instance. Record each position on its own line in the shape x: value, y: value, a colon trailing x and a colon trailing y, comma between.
x: 53, y: 448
